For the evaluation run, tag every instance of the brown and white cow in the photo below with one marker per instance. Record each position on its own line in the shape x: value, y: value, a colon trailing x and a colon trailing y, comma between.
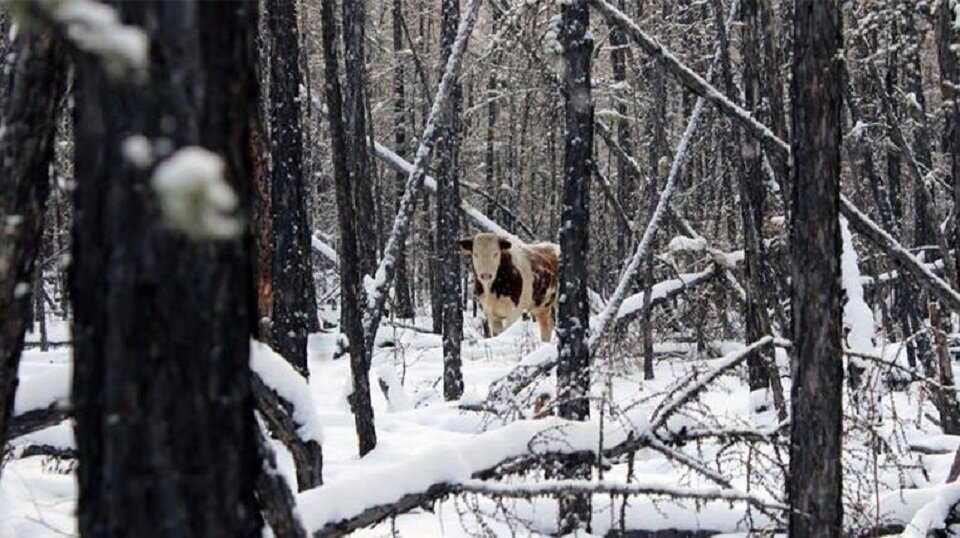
x: 509, y: 279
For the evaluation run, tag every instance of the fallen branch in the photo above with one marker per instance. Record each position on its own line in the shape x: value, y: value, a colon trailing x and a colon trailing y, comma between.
x: 283, y: 399
x: 890, y: 246
x: 37, y: 419
x: 276, y: 499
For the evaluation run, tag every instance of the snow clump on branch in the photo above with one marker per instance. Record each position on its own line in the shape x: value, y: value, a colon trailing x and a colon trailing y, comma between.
x: 94, y: 28
x: 194, y: 196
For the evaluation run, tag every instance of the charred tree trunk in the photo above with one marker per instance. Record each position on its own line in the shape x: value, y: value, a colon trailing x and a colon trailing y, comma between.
x: 816, y: 430
x: 294, y: 313
x: 950, y: 84
x: 573, y: 369
x: 351, y: 292
x: 752, y: 205
x: 33, y: 82
x: 448, y: 217
x: 403, y: 300
x: 355, y: 121
x: 161, y: 390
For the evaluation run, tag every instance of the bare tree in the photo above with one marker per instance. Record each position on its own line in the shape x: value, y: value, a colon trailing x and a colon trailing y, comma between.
x: 573, y: 369
x: 448, y: 217
x: 164, y: 412
x: 351, y: 292
x: 33, y: 80
x: 816, y: 396
x: 294, y: 310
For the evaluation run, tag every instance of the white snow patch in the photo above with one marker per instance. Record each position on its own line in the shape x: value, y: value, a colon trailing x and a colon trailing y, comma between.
x: 194, y: 196
x: 279, y: 375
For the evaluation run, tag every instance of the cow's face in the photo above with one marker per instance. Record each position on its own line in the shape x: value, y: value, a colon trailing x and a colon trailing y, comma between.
x: 485, y: 251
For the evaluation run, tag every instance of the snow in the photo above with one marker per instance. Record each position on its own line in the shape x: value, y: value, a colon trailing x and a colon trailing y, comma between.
x: 659, y: 290
x: 279, y: 375
x: 43, y: 384
x: 324, y: 249
x: 95, y: 28
x: 682, y: 243
x: 194, y: 196
x: 857, y: 316
x: 138, y: 150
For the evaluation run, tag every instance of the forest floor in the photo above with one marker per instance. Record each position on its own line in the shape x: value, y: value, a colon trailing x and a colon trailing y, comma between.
x: 892, y: 445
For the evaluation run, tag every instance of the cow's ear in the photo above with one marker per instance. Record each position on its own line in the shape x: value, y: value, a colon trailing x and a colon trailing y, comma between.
x: 504, y: 244
x: 466, y: 245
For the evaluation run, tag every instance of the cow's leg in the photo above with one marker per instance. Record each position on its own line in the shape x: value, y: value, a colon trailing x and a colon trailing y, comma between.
x: 545, y: 323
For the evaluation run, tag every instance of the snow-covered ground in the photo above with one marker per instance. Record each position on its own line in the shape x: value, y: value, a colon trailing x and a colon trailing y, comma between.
x: 424, y: 440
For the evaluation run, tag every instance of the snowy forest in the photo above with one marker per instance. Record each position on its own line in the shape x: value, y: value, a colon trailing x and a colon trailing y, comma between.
x: 416, y: 268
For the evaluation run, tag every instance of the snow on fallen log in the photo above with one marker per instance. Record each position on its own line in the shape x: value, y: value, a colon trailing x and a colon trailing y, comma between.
x: 284, y: 400
x: 919, y: 510
x: 857, y: 315
x: 351, y: 503
x: 660, y: 291
x: 610, y: 487
x: 50, y: 389
x: 890, y: 246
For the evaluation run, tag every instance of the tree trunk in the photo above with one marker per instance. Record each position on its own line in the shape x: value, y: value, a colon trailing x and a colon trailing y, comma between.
x: 573, y: 369
x: 448, y: 217
x: 33, y: 81
x: 752, y: 201
x: 816, y: 429
x: 351, y: 292
x: 403, y: 301
x: 950, y: 86
x: 355, y: 121
x: 161, y: 390
x: 294, y: 313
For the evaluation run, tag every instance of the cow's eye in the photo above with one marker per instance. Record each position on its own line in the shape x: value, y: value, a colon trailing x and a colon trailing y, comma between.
x: 495, y: 254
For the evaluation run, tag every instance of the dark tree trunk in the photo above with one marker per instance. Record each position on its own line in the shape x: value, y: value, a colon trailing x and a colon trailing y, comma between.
x: 448, y: 217
x: 294, y: 313
x: 923, y: 228
x: 33, y: 82
x: 816, y: 429
x: 626, y: 179
x: 752, y: 201
x: 164, y: 413
x: 403, y: 301
x: 573, y: 368
x: 351, y: 292
x: 950, y: 86
x: 355, y: 121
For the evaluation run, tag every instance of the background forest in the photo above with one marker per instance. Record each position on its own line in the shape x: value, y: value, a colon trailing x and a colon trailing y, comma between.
x: 232, y: 301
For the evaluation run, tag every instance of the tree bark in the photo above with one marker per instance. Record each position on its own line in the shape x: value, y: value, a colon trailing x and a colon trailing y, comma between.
x: 402, y: 299
x: 448, y: 217
x: 816, y: 396
x: 164, y: 413
x: 294, y: 313
x: 33, y: 83
x: 950, y: 86
x: 351, y: 292
x: 573, y: 369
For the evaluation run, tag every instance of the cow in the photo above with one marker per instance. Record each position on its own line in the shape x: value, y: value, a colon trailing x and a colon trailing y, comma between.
x: 511, y: 278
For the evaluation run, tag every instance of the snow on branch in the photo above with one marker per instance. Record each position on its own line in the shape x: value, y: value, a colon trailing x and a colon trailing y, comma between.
x: 376, y: 287
x: 691, y: 80
x: 322, y: 248
x: 93, y: 28
x: 609, y: 487
x: 478, y: 218
x: 890, y: 246
x: 194, y: 196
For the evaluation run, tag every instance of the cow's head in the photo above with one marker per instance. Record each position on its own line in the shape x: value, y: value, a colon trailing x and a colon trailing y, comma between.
x: 485, y: 251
